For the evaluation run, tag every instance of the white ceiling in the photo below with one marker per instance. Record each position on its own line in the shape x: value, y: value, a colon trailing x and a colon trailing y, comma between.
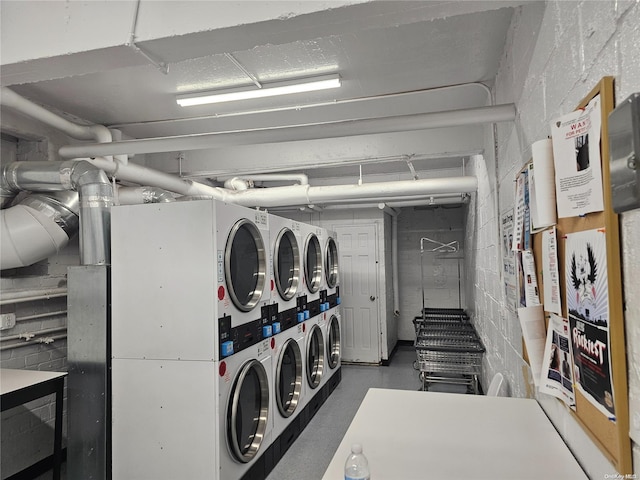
x: 381, y: 50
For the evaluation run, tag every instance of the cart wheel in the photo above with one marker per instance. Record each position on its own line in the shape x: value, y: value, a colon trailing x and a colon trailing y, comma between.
x: 415, y: 365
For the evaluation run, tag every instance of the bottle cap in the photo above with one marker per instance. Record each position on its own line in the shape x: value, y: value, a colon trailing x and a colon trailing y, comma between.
x: 356, y: 448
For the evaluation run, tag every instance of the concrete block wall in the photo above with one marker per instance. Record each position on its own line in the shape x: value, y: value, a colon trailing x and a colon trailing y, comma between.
x: 26, y: 435
x: 556, y: 52
x: 444, y: 224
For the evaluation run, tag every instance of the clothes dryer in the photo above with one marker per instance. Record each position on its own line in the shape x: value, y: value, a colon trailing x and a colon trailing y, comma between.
x: 193, y: 419
x: 315, y: 360
x: 246, y: 412
x: 243, y: 273
x: 330, y: 291
x: 289, y: 395
x: 312, y: 261
x: 286, y: 264
x: 333, y: 348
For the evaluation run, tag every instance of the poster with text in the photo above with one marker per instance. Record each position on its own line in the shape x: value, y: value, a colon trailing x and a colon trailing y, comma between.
x: 591, y: 364
x: 509, y: 262
x: 576, y: 156
x: 588, y: 307
x: 557, y: 372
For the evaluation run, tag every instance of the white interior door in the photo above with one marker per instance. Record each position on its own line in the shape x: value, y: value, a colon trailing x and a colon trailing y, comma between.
x: 359, y: 293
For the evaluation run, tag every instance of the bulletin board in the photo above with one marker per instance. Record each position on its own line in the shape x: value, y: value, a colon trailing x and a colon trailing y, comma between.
x: 610, y: 434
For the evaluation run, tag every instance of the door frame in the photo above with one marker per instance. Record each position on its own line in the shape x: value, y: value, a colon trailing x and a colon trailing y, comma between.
x: 378, y: 227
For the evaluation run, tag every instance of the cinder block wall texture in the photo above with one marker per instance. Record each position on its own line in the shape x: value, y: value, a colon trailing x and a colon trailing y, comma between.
x: 26, y: 435
x: 556, y: 52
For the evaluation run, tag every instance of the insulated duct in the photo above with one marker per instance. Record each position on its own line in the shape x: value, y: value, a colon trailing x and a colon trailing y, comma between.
x: 138, y: 195
x: 41, y: 225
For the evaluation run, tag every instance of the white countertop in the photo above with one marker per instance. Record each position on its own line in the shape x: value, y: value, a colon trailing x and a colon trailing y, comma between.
x: 12, y: 380
x: 410, y: 435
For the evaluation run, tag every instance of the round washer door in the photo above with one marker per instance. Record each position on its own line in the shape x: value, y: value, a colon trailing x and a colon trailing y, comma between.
x: 331, y: 263
x: 333, y: 342
x: 315, y: 357
x: 289, y: 378
x: 286, y: 264
x: 245, y: 265
x: 313, y: 263
x: 248, y: 411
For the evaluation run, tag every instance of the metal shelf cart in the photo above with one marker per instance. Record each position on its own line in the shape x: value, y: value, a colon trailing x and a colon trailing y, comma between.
x: 448, y: 349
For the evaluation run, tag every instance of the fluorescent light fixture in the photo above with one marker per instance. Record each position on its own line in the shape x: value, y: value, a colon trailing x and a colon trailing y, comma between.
x: 268, y: 90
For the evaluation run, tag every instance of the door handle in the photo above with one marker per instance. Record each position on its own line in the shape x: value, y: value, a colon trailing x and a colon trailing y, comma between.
x: 372, y: 298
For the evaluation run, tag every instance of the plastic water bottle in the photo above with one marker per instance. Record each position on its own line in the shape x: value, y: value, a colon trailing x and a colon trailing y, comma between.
x: 356, y: 467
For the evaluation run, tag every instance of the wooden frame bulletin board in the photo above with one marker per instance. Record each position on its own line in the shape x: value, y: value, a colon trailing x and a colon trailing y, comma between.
x: 612, y: 437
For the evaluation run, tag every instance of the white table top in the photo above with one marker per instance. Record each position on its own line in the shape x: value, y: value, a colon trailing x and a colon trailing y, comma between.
x: 412, y: 435
x: 12, y: 380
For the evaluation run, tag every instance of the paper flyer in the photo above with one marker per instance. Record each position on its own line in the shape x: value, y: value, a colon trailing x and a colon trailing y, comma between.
x: 588, y: 306
x: 509, y: 277
x: 532, y: 298
x: 518, y: 214
x: 533, y: 332
x: 542, y: 188
x: 557, y: 372
x: 586, y: 277
x: 576, y: 157
x: 526, y: 234
x: 552, y: 300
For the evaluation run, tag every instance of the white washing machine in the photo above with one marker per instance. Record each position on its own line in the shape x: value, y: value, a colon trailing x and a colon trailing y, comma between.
x: 243, y: 271
x: 312, y: 238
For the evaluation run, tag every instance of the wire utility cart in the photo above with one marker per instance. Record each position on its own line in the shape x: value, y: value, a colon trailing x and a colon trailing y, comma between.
x: 448, y: 348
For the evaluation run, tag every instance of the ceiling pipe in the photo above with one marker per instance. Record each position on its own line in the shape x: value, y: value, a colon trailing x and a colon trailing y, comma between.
x: 148, y: 176
x: 342, y: 128
x: 28, y: 235
x: 308, y: 195
x: 300, y: 178
x: 97, y: 133
x: 11, y: 99
x: 393, y: 204
x: 237, y: 184
x: 394, y: 265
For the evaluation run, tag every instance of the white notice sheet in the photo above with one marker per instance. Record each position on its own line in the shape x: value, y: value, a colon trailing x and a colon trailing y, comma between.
x: 576, y: 156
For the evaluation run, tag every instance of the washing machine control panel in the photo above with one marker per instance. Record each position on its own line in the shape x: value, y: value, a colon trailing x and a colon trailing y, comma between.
x: 329, y: 301
x: 236, y: 339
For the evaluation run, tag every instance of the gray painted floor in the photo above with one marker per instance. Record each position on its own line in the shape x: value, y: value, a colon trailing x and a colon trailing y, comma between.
x: 312, y: 452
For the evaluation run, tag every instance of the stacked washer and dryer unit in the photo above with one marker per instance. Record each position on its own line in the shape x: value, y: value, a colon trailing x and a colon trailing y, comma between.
x: 208, y: 341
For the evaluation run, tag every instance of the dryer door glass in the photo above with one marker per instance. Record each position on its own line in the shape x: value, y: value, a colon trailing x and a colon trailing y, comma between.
x: 331, y: 263
x: 245, y: 265
x: 333, y: 342
x: 313, y: 263
x: 287, y: 264
x: 248, y: 411
x: 289, y: 378
x: 315, y: 357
